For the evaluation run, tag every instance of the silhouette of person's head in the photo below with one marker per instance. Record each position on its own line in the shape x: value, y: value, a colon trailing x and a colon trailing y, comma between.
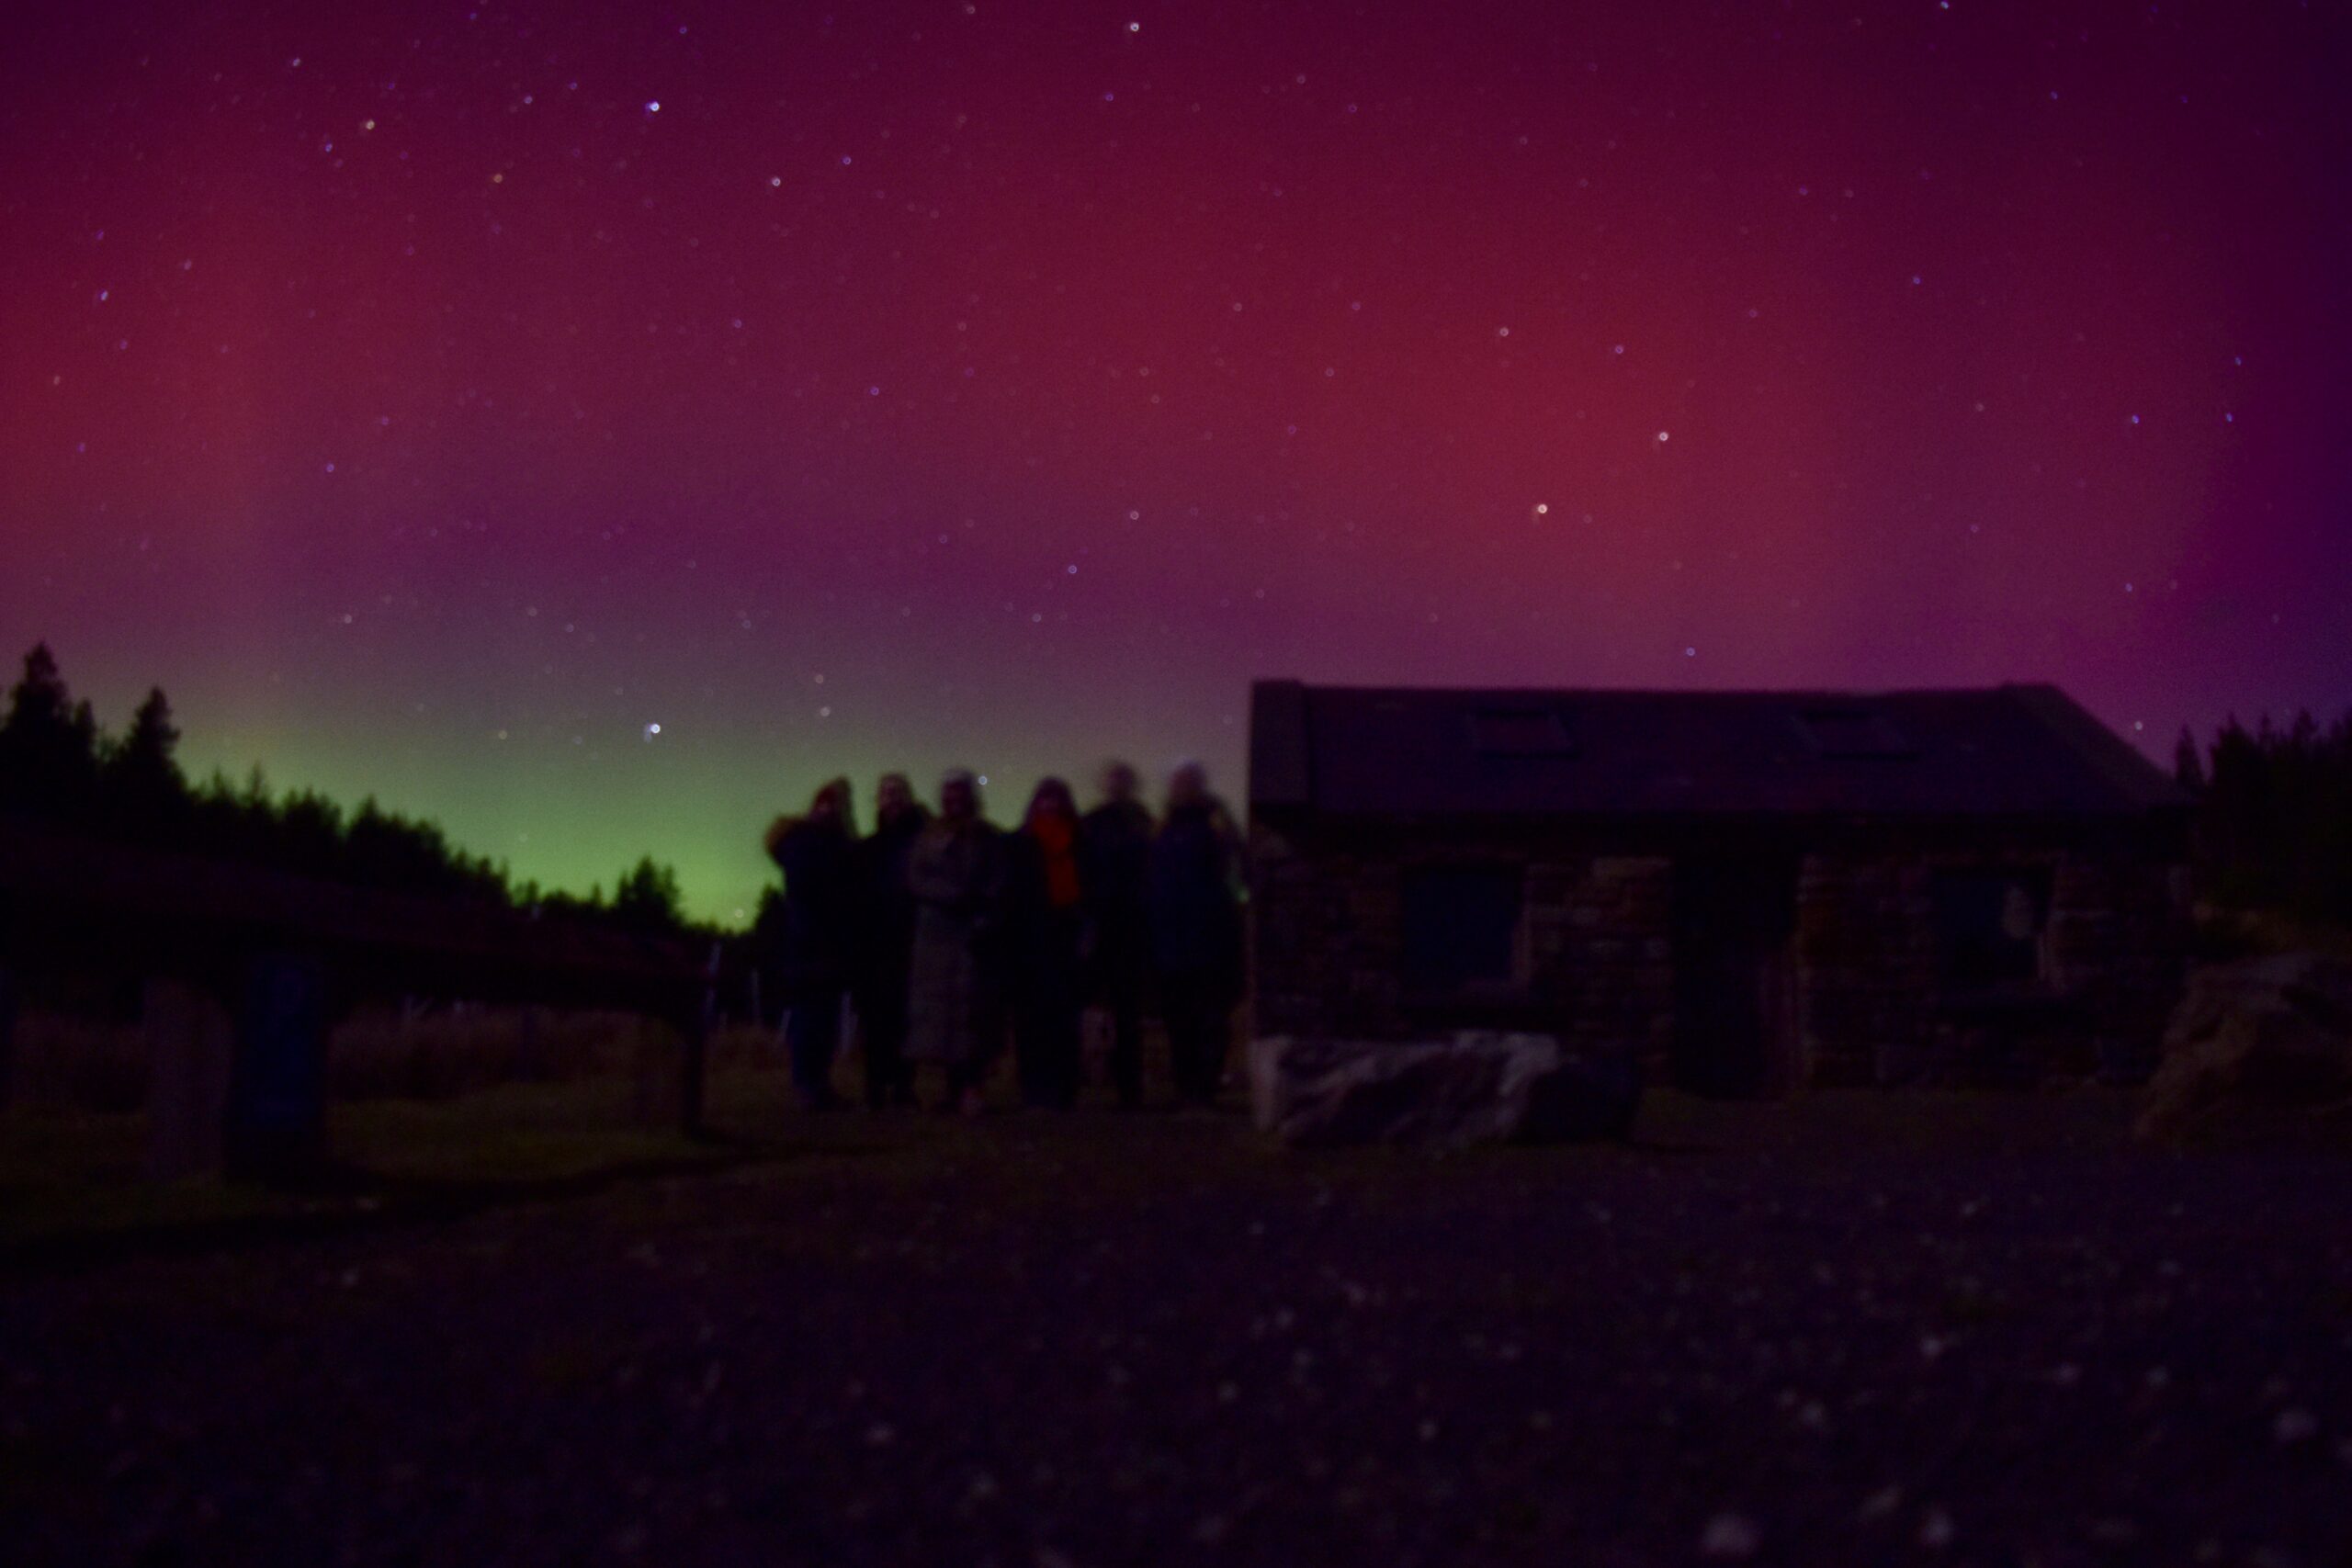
x: 832, y: 805
x: 1119, y: 782
x: 1052, y: 798
x: 1188, y: 785
x: 959, y: 795
x: 893, y: 798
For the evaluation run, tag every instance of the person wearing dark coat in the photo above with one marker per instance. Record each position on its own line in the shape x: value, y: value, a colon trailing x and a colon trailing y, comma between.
x: 955, y: 992
x: 1195, y: 914
x: 883, y: 957
x: 815, y: 854
x: 1047, y: 917
x: 1114, y: 874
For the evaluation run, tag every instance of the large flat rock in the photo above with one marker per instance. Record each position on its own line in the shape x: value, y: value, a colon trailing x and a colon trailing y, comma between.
x: 1470, y: 1087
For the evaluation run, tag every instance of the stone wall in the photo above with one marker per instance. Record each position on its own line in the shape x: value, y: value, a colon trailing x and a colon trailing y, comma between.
x: 1594, y: 960
x: 1599, y: 959
x: 2118, y: 944
x: 1874, y: 1004
x: 1316, y: 927
x: 1593, y: 963
x: 1865, y: 963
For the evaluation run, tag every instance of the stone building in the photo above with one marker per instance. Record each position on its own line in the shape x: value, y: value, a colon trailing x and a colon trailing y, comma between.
x: 1755, y: 891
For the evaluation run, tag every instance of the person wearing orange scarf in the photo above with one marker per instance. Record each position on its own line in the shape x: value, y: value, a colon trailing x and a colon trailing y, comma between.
x: 1048, y: 918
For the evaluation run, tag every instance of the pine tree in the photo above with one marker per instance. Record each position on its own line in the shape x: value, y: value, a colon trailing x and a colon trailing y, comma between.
x: 48, y: 744
x: 2189, y: 763
x: 145, y: 794
x: 647, y: 899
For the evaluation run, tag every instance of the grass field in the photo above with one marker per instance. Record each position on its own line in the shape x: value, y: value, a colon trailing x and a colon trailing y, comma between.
x: 80, y: 1173
x: 74, y: 1179
x: 454, y: 1111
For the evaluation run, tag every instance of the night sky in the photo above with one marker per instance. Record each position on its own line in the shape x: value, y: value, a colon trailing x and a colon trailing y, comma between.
x: 436, y: 398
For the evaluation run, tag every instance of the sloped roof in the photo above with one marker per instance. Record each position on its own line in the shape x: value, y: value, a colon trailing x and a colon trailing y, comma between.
x: 2003, y: 750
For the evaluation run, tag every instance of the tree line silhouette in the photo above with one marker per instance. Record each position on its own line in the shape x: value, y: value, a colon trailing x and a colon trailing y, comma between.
x: 2274, y: 816
x: 2273, y: 828
x: 58, y: 766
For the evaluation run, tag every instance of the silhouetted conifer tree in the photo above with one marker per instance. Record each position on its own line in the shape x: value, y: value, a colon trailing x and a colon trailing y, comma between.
x: 647, y: 899
x: 49, y: 744
x: 53, y: 765
x: 144, y: 794
x: 2274, y: 824
x: 309, y: 835
x: 2188, y: 765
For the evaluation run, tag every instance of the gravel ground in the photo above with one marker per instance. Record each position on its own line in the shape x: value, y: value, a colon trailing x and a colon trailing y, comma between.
x: 1857, y: 1329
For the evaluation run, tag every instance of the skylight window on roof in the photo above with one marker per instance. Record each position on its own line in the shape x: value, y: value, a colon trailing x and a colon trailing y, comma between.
x: 1520, y: 732
x: 1853, y: 732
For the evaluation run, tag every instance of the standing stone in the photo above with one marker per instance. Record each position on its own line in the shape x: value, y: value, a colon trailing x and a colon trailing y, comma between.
x: 191, y: 1046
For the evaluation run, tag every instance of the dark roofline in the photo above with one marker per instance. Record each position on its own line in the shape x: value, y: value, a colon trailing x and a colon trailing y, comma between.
x: 1830, y: 696
x: 1281, y: 772
x: 2106, y: 754
x: 1748, y: 819
x: 1282, y: 765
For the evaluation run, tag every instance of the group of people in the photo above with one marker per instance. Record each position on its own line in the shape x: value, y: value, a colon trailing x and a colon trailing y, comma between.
x: 947, y: 935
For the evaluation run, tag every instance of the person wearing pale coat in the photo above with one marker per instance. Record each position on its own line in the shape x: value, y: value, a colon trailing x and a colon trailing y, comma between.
x: 955, y: 1014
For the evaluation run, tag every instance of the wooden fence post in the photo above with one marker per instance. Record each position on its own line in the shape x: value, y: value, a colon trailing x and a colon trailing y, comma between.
x: 693, y: 1047
x: 694, y: 1058
x: 191, y: 1042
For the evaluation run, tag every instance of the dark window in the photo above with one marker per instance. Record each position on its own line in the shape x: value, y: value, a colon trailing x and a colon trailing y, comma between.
x: 1988, y: 926
x: 1845, y: 732
x: 1461, y: 926
x: 1520, y: 732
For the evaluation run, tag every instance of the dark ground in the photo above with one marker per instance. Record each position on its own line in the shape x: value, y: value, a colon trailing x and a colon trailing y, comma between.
x: 1852, y: 1328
